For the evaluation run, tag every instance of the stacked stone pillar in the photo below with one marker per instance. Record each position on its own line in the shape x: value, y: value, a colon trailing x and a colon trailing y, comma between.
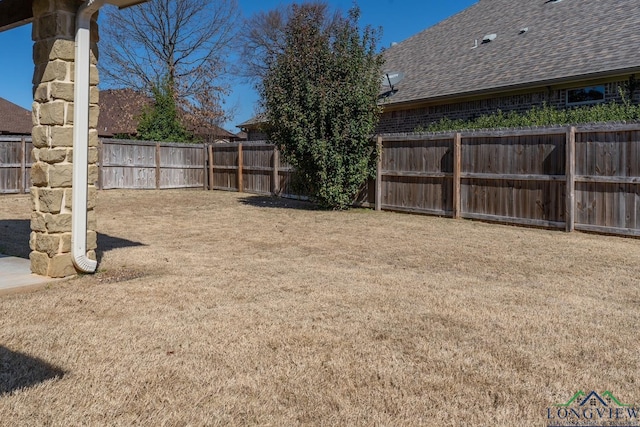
x: 53, y: 56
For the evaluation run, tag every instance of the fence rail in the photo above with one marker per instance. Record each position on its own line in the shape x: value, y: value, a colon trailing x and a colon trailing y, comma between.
x: 584, y: 178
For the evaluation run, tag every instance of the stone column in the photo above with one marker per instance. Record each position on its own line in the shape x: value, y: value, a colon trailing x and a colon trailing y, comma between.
x: 53, y: 57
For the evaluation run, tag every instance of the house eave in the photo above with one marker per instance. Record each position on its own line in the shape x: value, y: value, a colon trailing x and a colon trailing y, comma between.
x: 15, y: 13
x: 483, y: 93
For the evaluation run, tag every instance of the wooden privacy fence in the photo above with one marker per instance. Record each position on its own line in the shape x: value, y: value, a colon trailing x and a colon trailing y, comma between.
x: 252, y: 167
x: 15, y: 164
x: 585, y: 178
x: 151, y: 165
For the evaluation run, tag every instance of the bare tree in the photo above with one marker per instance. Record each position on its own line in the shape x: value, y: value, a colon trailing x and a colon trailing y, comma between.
x: 184, y: 42
x: 264, y: 36
x: 206, y: 108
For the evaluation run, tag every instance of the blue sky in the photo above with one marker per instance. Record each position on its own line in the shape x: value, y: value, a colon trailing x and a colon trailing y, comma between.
x: 399, y: 19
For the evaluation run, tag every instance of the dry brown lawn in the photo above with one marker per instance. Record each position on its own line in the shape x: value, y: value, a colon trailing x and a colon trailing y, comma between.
x: 215, y: 308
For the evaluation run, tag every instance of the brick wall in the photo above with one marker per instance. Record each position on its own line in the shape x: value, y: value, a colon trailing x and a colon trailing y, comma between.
x: 411, y: 119
x: 256, y: 135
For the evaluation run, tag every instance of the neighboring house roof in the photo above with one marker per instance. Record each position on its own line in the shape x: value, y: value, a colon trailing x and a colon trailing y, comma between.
x: 120, y: 111
x: 212, y: 132
x: 254, y: 122
x: 563, y: 41
x: 14, y: 120
x: 222, y: 133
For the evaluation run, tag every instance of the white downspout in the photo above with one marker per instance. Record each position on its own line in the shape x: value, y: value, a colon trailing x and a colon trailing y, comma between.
x: 81, y: 136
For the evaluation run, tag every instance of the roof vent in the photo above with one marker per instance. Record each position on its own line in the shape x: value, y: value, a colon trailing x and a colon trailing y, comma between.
x: 524, y: 30
x: 489, y: 38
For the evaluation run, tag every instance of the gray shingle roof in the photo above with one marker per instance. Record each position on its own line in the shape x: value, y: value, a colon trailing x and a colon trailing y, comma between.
x: 566, y: 40
x: 253, y: 122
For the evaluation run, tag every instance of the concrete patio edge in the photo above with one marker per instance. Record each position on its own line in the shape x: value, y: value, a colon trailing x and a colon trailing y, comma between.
x: 16, y: 276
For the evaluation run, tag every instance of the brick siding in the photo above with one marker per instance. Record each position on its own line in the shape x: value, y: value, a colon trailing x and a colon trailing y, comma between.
x: 256, y: 135
x: 412, y: 119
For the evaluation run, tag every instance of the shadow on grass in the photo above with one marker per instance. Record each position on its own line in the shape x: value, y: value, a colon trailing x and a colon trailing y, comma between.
x: 14, y: 240
x: 278, y: 203
x: 18, y: 371
x: 107, y: 243
x: 14, y: 237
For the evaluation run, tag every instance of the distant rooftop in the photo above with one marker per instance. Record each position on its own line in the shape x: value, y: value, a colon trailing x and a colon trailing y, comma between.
x: 14, y: 120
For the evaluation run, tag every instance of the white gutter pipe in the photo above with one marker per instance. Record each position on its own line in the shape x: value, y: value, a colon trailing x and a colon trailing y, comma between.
x: 81, y: 136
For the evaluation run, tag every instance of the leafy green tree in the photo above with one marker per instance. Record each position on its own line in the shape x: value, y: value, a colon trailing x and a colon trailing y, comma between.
x: 320, y: 97
x: 160, y: 121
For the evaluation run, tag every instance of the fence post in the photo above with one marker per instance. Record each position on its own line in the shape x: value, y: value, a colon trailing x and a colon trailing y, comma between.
x: 100, y: 161
x: 210, y: 166
x: 457, y: 173
x: 157, y: 165
x: 275, y: 179
x: 23, y: 166
x: 205, y: 175
x: 240, y: 168
x: 379, y: 145
x: 570, y: 207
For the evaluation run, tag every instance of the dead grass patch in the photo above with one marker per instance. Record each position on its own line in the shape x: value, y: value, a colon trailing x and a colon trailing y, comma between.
x: 211, y: 309
x: 118, y: 275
